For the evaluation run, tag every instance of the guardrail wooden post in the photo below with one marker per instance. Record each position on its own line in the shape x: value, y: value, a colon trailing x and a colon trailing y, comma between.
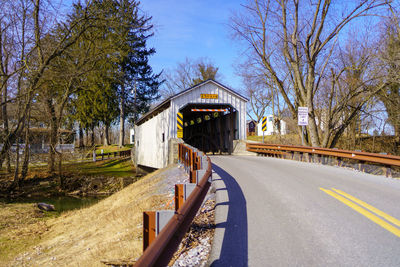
x: 388, y: 171
x: 175, y: 223
x: 149, y: 228
x: 192, y: 177
x: 179, y: 196
x: 361, y: 166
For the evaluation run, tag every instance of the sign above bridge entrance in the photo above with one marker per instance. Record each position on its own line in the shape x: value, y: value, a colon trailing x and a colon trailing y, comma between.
x: 209, y: 96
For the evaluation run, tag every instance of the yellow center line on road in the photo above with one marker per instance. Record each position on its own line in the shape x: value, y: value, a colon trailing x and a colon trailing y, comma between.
x: 371, y: 208
x: 364, y: 212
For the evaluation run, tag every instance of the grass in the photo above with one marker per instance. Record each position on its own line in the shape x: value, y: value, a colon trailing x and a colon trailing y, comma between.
x: 111, y: 148
x: 21, y: 226
x: 288, y: 139
x: 113, y: 167
x: 118, y: 167
x: 110, y: 229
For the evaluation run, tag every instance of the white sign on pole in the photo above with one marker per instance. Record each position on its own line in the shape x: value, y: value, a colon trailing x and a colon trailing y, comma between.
x: 302, y: 116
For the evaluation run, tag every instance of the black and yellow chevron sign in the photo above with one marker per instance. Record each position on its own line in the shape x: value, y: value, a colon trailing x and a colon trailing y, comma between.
x: 179, y: 125
x: 264, y: 124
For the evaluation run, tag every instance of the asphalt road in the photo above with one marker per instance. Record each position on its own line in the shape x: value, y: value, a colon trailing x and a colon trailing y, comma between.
x: 273, y: 212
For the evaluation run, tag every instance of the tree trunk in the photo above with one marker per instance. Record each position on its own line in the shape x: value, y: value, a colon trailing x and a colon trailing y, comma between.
x: 8, y: 140
x: 92, y: 136
x: 80, y: 145
x: 122, y: 118
x: 5, y: 126
x: 60, y: 177
x: 53, y: 136
x: 106, y: 136
x: 87, y: 136
x: 8, y: 162
x: 25, y: 164
x: 16, y: 170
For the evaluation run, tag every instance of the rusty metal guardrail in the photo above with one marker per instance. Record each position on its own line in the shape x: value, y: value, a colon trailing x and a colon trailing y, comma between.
x: 160, y: 250
x: 282, y: 150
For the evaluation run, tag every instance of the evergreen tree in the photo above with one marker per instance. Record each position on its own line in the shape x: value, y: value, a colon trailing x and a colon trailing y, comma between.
x: 137, y: 85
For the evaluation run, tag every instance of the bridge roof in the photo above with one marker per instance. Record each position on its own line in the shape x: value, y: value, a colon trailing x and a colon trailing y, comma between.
x: 167, y: 102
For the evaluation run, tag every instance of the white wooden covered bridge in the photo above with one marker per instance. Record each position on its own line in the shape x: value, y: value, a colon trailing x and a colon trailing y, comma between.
x: 209, y: 116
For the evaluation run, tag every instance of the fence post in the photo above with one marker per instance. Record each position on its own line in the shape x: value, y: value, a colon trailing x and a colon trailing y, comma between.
x: 149, y: 228
x: 179, y: 196
x: 192, y: 177
x: 388, y: 171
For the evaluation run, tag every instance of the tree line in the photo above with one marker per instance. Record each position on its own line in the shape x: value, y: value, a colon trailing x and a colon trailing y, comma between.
x: 341, y: 59
x: 89, y: 67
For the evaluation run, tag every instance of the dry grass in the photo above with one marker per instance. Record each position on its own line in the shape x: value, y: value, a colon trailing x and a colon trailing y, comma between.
x: 111, y: 229
x: 21, y: 226
x: 288, y: 139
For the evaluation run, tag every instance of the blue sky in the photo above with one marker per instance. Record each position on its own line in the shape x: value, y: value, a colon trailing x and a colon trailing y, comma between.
x: 194, y: 29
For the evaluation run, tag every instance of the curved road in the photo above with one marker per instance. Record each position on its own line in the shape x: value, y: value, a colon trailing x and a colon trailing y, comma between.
x: 273, y: 212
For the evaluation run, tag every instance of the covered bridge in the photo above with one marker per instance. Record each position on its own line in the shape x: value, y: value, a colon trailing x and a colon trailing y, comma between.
x: 209, y: 116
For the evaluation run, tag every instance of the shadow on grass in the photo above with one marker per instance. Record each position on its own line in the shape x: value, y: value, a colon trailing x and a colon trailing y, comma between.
x: 115, y: 162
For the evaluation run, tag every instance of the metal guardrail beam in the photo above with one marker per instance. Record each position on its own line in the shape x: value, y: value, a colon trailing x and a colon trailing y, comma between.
x: 387, y: 160
x: 160, y: 252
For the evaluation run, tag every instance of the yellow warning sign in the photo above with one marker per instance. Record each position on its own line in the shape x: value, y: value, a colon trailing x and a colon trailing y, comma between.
x: 179, y: 125
x: 179, y: 120
x: 180, y: 133
x: 264, y: 124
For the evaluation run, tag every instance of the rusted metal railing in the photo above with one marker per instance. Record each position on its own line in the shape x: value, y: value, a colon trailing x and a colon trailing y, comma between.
x: 362, y: 157
x: 159, y: 250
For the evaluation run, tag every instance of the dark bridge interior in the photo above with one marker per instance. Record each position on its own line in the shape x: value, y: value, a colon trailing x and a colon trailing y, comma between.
x: 210, y: 127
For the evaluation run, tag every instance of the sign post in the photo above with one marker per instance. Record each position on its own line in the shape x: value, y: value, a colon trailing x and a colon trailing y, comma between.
x: 302, y: 120
x: 264, y: 126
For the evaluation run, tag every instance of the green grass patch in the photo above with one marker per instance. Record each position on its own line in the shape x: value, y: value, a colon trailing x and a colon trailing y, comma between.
x: 111, y: 148
x: 112, y: 167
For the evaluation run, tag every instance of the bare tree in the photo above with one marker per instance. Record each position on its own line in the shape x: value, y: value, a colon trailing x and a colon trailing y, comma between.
x: 30, y: 22
x: 300, y: 36
x: 187, y: 74
x: 257, y: 89
x: 389, y: 64
x: 343, y: 96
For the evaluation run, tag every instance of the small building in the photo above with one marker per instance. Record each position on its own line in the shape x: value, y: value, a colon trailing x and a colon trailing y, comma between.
x: 272, y: 127
x: 39, y: 139
x: 209, y: 116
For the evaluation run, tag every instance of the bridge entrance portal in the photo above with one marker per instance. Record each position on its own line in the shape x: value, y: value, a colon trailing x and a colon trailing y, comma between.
x: 210, y: 127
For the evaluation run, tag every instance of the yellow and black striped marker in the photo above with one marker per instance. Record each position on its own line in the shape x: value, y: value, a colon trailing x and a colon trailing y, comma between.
x: 264, y: 124
x: 179, y: 125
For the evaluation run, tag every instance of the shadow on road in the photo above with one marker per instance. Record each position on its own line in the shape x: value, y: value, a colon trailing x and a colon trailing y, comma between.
x: 234, y: 249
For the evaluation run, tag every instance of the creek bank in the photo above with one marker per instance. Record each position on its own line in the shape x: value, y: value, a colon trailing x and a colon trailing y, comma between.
x: 76, y: 186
